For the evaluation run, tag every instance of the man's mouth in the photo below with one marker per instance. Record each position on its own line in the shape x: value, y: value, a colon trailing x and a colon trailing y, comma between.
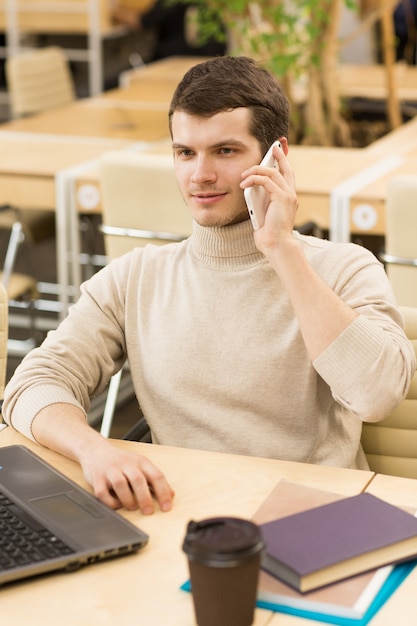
x: 208, y: 198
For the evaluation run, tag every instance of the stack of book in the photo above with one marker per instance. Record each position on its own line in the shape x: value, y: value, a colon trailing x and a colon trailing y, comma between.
x: 332, y: 558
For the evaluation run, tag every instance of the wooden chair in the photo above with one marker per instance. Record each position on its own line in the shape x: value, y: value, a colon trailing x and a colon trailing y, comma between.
x: 400, y: 255
x: 391, y: 445
x: 141, y: 203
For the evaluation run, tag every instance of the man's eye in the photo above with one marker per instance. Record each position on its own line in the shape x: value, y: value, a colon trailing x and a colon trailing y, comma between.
x: 185, y: 153
x: 226, y: 150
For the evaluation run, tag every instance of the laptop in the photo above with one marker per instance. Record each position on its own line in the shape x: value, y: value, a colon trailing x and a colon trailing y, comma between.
x: 49, y: 523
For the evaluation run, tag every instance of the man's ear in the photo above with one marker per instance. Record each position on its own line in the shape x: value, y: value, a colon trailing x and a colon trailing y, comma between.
x: 284, y: 145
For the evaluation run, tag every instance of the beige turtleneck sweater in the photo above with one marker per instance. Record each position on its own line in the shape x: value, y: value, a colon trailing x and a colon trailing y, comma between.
x: 216, y: 356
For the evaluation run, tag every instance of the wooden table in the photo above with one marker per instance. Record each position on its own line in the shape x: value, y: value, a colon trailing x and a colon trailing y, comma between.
x: 29, y: 163
x: 156, y: 93
x: 144, y: 588
x: 171, y: 69
x: 370, y: 81
x: 96, y: 117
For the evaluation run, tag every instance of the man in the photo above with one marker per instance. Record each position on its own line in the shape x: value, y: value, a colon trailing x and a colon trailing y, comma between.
x: 264, y: 343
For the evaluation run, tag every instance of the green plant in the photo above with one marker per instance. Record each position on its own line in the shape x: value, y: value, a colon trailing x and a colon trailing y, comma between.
x: 299, y: 42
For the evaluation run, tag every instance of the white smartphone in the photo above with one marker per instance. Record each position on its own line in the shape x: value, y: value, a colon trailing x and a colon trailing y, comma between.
x: 257, y: 199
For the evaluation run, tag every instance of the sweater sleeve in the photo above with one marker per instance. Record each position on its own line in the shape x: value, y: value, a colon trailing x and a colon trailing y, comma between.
x: 75, y: 361
x: 369, y: 370
x: 369, y: 367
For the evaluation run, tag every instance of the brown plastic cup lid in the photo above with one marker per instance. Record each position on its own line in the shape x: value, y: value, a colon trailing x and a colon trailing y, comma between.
x: 222, y: 541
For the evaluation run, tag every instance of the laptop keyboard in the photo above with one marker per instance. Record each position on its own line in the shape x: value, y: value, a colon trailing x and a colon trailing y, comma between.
x: 23, y: 541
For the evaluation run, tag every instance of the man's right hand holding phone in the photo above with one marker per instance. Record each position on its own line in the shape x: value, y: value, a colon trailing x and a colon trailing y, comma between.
x: 270, y: 194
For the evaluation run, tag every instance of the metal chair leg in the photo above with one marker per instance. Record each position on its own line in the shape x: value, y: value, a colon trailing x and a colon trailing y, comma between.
x: 110, y: 405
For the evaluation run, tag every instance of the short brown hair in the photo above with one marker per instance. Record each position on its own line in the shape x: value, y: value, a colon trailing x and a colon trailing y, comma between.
x: 227, y: 83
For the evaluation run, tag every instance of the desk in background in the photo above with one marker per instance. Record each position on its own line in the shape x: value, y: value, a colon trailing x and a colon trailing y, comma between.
x: 144, y: 588
x: 155, y: 93
x: 171, y: 70
x: 97, y: 118
x: 369, y: 82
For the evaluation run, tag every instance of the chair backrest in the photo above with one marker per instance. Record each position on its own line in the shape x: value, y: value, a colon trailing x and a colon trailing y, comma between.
x: 400, y: 256
x: 4, y: 331
x: 141, y: 202
x: 37, y: 80
x: 391, y: 445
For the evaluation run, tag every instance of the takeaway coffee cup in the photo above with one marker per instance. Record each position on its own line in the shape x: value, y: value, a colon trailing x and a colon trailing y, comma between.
x: 224, y: 555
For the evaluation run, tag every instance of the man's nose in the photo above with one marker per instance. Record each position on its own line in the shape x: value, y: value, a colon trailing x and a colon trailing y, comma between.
x: 204, y: 171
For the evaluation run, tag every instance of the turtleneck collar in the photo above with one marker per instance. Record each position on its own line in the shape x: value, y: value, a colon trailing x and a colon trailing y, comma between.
x: 226, y: 247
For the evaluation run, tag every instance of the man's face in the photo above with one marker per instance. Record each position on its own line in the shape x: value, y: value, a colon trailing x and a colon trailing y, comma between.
x: 210, y: 155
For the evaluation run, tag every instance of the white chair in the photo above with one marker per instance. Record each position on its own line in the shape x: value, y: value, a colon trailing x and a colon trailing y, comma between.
x: 15, y: 284
x: 391, y: 445
x: 141, y: 203
x: 4, y: 327
x: 400, y: 255
x: 21, y: 289
x: 38, y: 80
